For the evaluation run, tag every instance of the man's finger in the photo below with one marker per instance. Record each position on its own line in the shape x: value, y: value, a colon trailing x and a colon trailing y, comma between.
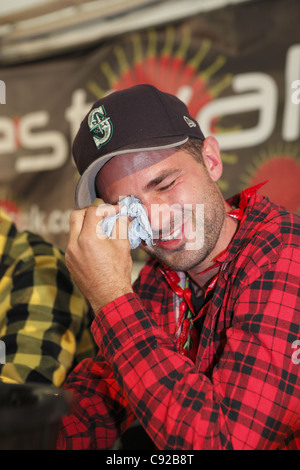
x: 107, y: 210
x: 94, y: 216
x: 104, y: 209
x: 76, y: 223
x: 97, y: 202
x: 120, y: 229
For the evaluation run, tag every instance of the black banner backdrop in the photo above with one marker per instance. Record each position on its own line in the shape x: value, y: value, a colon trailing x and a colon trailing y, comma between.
x: 237, y: 69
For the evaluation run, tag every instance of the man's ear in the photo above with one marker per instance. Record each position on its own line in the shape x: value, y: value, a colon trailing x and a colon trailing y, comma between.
x: 212, y: 158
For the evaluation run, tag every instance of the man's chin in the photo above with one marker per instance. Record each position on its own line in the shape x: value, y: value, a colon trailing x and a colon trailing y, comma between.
x: 178, y: 259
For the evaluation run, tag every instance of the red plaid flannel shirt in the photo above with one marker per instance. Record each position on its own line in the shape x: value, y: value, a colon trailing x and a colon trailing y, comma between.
x: 243, y: 391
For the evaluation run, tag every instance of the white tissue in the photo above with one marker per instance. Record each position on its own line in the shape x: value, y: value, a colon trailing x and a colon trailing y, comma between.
x: 139, y: 228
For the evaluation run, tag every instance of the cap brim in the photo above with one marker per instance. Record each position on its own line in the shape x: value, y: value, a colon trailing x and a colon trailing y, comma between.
x: 85, y: 192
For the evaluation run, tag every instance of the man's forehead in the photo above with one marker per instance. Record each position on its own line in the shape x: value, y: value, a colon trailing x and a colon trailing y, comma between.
x: 127, y: 164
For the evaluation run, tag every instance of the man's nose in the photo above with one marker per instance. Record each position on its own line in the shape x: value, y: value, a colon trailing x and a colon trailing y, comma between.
x: 158, y: 212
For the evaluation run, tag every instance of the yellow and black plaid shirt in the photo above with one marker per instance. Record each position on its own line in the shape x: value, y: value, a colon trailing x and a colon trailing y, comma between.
x: 44, y: 320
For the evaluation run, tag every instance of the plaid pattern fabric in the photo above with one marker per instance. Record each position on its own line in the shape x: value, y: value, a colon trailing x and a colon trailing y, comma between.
x: 243, y: 391
x: 43, y: 317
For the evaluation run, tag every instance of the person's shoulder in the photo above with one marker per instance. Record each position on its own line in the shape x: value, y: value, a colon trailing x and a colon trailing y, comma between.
x: 8, y: 229
x: 268, y: 233
x: 39, y: 245
x: 278, y: 222
x: 23, y: 245
x: 268, y: 240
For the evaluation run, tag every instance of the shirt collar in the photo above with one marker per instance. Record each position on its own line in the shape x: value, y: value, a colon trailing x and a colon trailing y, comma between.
x: 243, y: 204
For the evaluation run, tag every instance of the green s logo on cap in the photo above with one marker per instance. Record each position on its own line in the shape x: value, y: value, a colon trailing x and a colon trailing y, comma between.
x: 100, y: 125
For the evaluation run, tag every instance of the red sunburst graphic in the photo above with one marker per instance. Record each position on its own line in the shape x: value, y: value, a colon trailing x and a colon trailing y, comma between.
x: 169, y: 71
x: 170, y: 75
x: 283, y: 175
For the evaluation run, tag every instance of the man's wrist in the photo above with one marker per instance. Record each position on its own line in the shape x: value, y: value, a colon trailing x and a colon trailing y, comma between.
x: 119, y: 322
x: 99, y: 302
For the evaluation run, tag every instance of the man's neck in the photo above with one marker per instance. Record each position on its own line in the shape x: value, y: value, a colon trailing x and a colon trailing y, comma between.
x: 202, y: 274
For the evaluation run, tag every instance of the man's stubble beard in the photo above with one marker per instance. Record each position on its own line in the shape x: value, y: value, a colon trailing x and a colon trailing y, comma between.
x: 183, y: 259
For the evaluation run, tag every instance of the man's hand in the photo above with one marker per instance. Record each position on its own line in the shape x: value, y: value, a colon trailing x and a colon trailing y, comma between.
x: 100, y: 266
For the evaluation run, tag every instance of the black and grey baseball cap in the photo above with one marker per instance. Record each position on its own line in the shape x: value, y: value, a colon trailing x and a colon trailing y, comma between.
x: 132, y: 120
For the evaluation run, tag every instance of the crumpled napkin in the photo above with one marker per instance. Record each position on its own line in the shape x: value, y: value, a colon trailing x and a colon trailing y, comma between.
x: 139, y: 228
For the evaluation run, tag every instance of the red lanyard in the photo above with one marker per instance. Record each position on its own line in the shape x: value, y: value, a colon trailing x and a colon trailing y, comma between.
x: 187, y: 339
